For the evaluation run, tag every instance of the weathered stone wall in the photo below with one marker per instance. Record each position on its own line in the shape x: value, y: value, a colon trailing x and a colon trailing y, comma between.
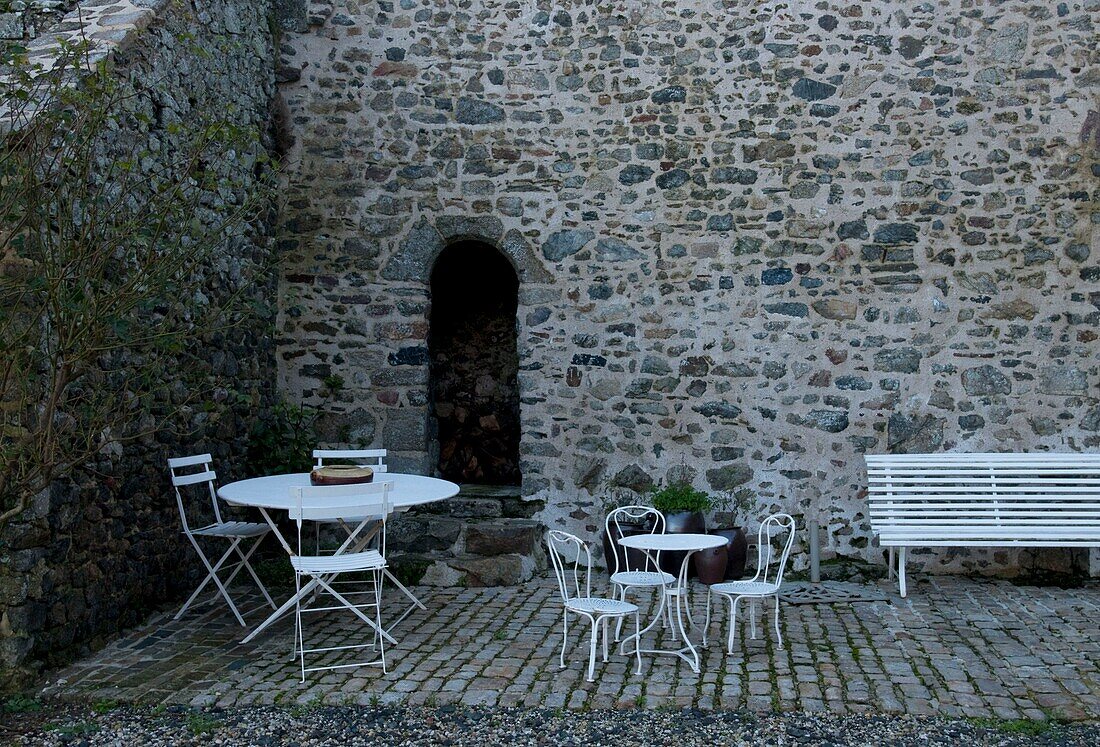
x: 95, y: 555
x: 754, y: 239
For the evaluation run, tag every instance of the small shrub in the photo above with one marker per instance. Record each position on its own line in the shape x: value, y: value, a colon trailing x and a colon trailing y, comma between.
x: 680, y: 496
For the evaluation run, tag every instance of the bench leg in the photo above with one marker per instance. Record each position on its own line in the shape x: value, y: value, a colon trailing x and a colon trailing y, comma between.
x: 901, y: 571
x: 889, y: 563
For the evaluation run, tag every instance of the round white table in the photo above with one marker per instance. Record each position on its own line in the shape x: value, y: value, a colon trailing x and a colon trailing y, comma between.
x: 688, y: 544
x: 272, y: 493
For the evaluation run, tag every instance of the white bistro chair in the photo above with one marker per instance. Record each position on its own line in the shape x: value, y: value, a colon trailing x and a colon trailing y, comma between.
x: 369, y: 502
x: 627, y: 575
x: 770, y: 567
x: 236, y: 532
x: 568, y: 554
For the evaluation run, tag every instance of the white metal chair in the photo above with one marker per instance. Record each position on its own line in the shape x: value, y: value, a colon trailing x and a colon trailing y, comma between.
x: 234, y: 531
x: 770, y: 567
x: 370, y: 502
x: 648, y: 574
x: 373, y: 458
x: 566, y: 555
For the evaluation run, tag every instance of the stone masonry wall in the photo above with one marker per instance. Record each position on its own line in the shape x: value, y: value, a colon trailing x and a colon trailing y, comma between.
x: 755, y: 240
x: 93, y: 556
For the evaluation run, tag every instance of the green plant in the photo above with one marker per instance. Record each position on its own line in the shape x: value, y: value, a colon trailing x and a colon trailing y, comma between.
x: 21, y: 703
x: 677, y: 497
x: 201, y: 723
x: 110, y: 219
x: 76, y: 729
x: 282, y: 439
x: 105, y: 706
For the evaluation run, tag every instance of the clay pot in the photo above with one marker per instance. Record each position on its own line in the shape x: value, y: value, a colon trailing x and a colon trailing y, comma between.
x: 710, y: 565
x: 737, y: 549
x: 684, y: 522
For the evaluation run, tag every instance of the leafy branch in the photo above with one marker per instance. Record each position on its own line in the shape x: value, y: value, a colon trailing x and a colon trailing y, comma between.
x: 112, y: 216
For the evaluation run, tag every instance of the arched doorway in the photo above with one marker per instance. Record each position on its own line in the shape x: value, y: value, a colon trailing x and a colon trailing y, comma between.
x: 474, y: 364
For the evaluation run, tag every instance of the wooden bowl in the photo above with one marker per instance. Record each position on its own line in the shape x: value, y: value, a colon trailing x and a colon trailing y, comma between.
x: 341, y: 474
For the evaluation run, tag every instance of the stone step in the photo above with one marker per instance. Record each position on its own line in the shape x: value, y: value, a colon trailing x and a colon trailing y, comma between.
x: 465, y: 570
x: 486, y: 501
x: 504, y: 537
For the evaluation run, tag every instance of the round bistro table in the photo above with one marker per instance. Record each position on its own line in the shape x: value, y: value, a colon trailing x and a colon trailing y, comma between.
x: 272, y: 493
x: 651, y: 544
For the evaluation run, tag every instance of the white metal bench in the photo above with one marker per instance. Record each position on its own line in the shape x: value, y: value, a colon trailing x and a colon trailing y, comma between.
x: 983, y: 500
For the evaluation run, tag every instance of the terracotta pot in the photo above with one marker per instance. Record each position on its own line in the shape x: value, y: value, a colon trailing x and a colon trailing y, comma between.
x: 636, y: 558
x: 684, y: 522
x: 737, y: 549
x: 710, y: 565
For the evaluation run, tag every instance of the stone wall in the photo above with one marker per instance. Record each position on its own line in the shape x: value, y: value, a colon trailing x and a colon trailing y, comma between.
x: 96, y: 554
x: 754, y: 240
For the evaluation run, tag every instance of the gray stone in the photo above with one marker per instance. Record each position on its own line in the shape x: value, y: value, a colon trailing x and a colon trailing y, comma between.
x: 477, y: 112
x: 812, y: 90
x: 899, y: 360
x: 615, y: 250
x: 1064, y: 380
x: 914, y: 434
x: 562, y: 244
x: 633, y: 477
x: 503, y: 536
x: 983, y: 381
x: 728, y: 477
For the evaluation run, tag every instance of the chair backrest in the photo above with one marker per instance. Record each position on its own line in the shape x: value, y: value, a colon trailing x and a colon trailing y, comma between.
x: 566, y: 552
x: 770, y: 565
x: 373, y: 458
x: 361, y: 503
x: 615, y: 525
x: 194, y: 470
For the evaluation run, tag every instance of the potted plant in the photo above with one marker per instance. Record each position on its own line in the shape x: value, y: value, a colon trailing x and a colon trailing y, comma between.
x: 685, y: 510
x: 737, y: 543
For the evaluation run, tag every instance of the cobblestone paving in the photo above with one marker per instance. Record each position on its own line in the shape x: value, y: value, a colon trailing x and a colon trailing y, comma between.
x: 954, y: 647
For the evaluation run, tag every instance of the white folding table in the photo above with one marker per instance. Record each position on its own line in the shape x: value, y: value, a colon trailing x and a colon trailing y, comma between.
x: 272, y: 493
x: 688, y: 544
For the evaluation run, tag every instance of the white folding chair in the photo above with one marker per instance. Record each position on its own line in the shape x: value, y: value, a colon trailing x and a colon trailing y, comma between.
x: 373, y: 458
x: 566, y: 554
x: 770, y: 567
x: 234, y: 531
x: 628, y: 572
x: 370, y: 502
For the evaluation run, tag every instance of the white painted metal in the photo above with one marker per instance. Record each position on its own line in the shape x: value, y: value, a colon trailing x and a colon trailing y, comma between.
x: 234, y: 531
x: 273, y: 493
x: 982, y: 500
x: 689, y: 544
x: 624, y: 576
x: 333, y: 503
x: 373, y: 458
x: 778, y: 529
x: 566, y: 554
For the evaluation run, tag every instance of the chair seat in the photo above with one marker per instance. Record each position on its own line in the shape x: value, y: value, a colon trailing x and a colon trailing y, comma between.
x: 642, y: 578
x: 370, y: 560
x: 600, y: 606
x: 232, y: 529
x: 746, y: 588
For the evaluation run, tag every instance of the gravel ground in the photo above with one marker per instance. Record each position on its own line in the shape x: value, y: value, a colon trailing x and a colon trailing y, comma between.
x: 325, y: 725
